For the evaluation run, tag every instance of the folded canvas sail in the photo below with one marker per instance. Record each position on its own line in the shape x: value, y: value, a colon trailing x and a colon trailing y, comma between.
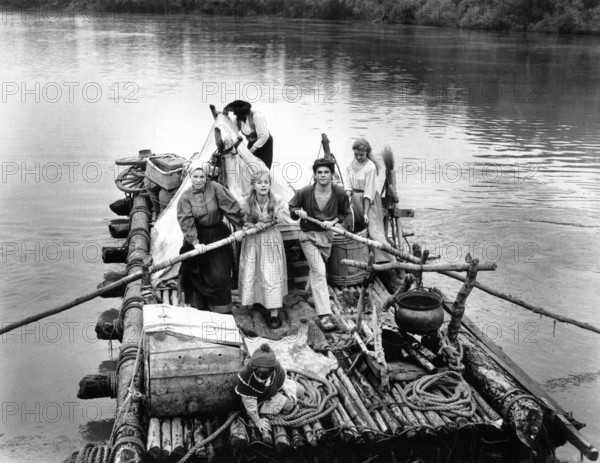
x: 167, y: 237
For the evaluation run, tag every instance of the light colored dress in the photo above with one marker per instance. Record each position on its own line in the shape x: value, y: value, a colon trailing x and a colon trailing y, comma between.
x: 263, y: 271
x: 362, y: 181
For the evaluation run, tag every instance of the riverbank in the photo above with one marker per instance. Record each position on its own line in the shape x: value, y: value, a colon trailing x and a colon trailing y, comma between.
x: 547, y: 16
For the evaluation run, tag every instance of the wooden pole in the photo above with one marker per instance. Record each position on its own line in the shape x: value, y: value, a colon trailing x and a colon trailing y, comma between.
x: 459, y: 277
x: 418, y: 267
x: 458, y: 308
x: 133, y: 276
x: 362, y: 300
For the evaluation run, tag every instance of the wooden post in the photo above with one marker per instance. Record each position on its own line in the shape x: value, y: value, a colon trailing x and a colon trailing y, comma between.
x: 109, y: 326
x: 97, y: 386
x: 166, y: 443
x: 362, y: 300
x: 114, y: 254
x: 188, y: 435
x: 122, y: 206
x: 177, y: 437
x: 458, y: 308
x: 199, y: 436
x: 154, y: 440
x: 118, y: 229
x: 238, y: 436
x: 282, y: 441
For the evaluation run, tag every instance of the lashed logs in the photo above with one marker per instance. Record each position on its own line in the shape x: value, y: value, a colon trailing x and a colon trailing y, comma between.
x: 238, y: 436
x: 309, y: 435
x: 119, y: 228
x: 114, y: 254
x: 97, y: 386
x: 281, y: 439
x: 166, y: 443
x: 210, y: 447
x: 122, y: 206
x: 188, y: 435
x: 177, y: 436
x: 297, y: 440
x: 351, y: 409
x: 109, y: 325
x: 377, y: 401
x: 200, y: 435
x: 154, y: 441
x: 515, y: 406
x: 129, y: 441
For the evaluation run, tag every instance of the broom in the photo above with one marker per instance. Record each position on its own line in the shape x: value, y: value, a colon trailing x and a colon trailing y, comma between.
x: 389, y: 189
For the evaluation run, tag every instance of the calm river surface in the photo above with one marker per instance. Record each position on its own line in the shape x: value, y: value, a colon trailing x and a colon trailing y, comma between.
x: 496, y: 138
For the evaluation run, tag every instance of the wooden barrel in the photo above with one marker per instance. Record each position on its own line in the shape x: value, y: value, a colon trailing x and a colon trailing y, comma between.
x: 297, y: 267
x: 346, y: 248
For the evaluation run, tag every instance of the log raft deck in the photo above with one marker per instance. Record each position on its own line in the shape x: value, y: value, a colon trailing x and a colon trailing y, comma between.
x: 369, y: 423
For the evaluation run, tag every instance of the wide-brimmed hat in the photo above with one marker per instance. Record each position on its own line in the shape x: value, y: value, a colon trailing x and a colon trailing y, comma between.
x: 238, y: 106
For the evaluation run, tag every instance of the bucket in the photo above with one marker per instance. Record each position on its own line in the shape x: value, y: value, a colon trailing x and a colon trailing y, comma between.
x: 392, y: 342
x: 346, y: 248
x: 419, y: 311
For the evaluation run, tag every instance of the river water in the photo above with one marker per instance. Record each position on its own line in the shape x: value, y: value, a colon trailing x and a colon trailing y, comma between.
x: 495, y: 138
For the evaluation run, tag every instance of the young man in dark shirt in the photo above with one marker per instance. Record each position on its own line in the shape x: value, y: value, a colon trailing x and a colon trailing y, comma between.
x: 328, y: 203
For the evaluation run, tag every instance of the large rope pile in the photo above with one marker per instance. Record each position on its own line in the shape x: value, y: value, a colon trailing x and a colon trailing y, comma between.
x: 312, y: 408
x: 445, y: 393
x: 304, y: 412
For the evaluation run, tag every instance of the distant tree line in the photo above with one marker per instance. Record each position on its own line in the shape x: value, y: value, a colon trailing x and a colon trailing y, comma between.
x: 554, y: 16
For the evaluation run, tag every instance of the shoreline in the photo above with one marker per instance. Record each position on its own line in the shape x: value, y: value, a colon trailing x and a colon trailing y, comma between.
x: 557, y: 18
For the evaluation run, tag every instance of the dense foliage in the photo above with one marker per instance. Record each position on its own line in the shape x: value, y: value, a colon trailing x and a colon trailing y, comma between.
x: 561, y: 16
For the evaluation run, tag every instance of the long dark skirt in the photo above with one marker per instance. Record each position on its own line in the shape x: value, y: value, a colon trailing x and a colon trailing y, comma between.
x: 208, y: 274
x: 265, y: 152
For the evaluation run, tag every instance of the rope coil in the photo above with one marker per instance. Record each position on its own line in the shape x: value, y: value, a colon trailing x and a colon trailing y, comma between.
x: 91, y: 453
x: 446, y: 393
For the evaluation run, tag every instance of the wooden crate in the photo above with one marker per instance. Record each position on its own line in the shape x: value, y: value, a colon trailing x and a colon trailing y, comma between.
x: 186, y: 375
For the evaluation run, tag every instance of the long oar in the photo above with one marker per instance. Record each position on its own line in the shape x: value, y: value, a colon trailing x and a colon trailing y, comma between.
x: 124, y: 281
x: 459, y: 277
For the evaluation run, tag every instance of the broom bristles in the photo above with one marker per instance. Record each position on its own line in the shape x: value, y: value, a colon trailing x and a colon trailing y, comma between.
x: 388, y: 158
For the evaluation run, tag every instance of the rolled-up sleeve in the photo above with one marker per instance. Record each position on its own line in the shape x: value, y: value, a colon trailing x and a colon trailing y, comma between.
x: 281, y: 211
x: 229, y: 205
x: 370, y: 182
x: 262, y: 129
x: 186, y: 220
x: 349, y: 177
x: 343, y: 207
x: 295, y: 204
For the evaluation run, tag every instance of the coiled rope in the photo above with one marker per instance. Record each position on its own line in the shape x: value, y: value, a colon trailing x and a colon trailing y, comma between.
x: 310, y: 410
x: 446, y: 393
x: 307, y: 411
x: 91, y: 453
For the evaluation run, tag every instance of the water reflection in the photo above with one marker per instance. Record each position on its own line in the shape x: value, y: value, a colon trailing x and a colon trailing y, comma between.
x: 494, y: 137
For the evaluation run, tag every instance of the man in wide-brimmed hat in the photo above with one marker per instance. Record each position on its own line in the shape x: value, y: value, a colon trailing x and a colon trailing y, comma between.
x: 254, y: 127
x: 328, y: 203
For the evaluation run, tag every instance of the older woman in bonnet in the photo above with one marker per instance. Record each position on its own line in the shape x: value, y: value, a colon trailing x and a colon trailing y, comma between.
x: 206, y: 278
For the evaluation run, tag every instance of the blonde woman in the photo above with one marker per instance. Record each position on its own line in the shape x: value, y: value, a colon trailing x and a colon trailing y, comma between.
x: 365, y: 199
x: 263, y: 273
